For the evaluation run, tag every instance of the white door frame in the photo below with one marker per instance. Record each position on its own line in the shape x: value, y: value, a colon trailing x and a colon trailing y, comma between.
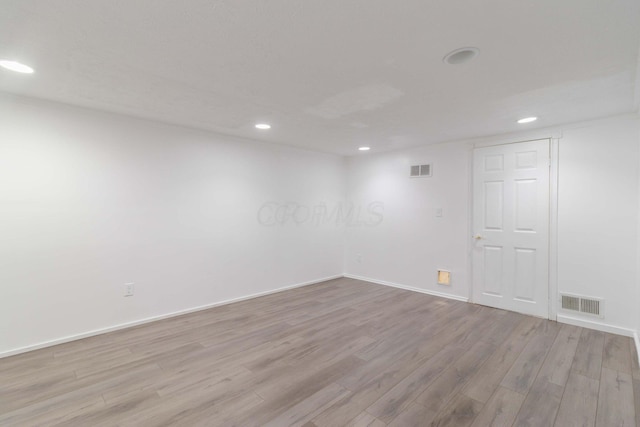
x: 553, y: 214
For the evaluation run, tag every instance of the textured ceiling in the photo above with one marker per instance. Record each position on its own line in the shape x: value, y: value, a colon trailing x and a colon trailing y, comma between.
x: 334, y: 74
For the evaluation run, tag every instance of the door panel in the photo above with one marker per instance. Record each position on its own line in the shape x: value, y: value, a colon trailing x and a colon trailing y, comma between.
x: 493, y: 205
x: 525, y: 274
x: 493, y: 163
x: 511, y: 227
x: 493, y: 270
x: 525, y: 205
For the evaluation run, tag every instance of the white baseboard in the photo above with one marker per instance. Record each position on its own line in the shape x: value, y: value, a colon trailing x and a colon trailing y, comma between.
x: 598, y: 326
x: 561, y: 318
x: 155, y: 318
x: 408, y: 288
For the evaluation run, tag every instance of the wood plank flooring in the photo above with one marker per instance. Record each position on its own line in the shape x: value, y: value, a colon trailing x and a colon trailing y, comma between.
x: 339, y: 353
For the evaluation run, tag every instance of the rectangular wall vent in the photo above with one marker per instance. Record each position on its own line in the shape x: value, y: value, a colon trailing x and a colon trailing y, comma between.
x: 590, y: 306
x: 570, y: 303
x: 420, y: 171
x: 584, y: 305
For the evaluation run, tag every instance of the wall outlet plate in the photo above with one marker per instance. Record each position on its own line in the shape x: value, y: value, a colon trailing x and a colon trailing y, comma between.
x: 129, y: 289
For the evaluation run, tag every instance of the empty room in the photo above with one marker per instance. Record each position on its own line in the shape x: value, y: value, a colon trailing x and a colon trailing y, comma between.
x: 319, y: 213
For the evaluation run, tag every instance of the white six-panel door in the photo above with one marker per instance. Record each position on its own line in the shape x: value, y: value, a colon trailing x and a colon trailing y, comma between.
x: 511, y: 227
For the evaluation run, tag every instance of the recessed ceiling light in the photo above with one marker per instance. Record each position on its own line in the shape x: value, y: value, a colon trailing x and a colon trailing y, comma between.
x: 462, y: 55
x: 15, y: 66
x: 364, y: 148
x: 527, y: 120
x: 263, y: 126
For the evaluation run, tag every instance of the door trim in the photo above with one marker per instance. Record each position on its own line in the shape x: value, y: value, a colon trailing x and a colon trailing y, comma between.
x: 554, y: 148
x: 553, y: 228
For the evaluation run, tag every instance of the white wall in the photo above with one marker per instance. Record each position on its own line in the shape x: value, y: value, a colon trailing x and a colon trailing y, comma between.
x: 597, y: 216
x: 89, y: 201
x: 637, y: 298
x: 411, y: 243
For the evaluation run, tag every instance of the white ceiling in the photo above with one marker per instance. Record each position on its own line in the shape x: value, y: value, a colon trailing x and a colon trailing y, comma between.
x: 330, y: 75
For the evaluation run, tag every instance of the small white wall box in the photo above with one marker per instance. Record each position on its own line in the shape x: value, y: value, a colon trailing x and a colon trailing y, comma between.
x: 444, y: 277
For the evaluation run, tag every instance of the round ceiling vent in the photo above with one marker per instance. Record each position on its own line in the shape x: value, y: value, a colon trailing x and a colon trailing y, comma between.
x: 462, y: 55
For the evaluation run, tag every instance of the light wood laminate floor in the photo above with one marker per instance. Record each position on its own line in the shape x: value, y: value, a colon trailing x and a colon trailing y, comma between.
x: 343, y: 352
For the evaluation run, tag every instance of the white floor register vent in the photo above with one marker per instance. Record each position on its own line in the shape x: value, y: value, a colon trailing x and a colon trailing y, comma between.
x: 584, y: 305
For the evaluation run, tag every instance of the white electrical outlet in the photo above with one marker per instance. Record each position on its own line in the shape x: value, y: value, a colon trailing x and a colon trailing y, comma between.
x: 439, y: 212
x: 128, y: 289
x: 359, y: 258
